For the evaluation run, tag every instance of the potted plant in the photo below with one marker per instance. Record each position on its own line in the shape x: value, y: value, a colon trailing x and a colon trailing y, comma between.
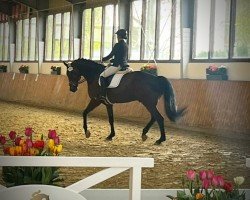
x: 55, y: 70
x: 149, y: 68
x: 27, y: 145
x: 24, y: 69
x: 216, y: 73
x: 3, y: 68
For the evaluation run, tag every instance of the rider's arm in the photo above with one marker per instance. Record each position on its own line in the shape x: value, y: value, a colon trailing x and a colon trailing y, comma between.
x: 112, y: 53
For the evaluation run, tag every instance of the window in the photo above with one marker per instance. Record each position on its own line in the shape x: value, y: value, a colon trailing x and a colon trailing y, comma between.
x: 57, y: 37
x: 98, y: 31
x: 242, y: 30
x: 218, y: 31
x: 66, y: 36
x: 202, y: 23
x: 32, y: 41
x: 155, y: 33
x: 26, y: 40
x: 135, y: 35
x: 57, y: 43
x: 4, y: 41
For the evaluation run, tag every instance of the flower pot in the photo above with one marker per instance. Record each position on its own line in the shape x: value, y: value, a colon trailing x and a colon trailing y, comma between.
x: 56, y: 71
x: 24, y: 71
x: 216, y: 77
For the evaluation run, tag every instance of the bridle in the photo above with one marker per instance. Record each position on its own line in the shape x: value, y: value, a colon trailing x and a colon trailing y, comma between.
x: 82, y: 79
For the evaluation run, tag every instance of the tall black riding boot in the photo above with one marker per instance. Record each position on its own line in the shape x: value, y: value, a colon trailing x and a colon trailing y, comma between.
x: 103, y: 88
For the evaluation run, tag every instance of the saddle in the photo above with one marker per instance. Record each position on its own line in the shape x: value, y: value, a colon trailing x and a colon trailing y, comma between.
x: 114, y: 80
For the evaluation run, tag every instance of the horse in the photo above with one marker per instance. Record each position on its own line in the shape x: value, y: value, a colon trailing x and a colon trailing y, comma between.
x: 134, y: 86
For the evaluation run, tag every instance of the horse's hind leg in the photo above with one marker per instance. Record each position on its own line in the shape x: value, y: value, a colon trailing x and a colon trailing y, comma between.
x: 111, y: 121
x: 160, y: 120
x: 91, y: 106
x: 147, y: 127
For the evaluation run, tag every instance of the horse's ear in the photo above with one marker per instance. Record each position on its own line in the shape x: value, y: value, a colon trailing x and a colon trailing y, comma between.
x: 66, y: 64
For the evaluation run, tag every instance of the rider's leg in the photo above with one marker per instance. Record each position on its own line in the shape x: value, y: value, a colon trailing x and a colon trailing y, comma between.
x: 106, y: 73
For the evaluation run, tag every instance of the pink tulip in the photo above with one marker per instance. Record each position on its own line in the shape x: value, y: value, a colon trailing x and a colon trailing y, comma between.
x: 215, y: 181
x: 2, y: 139
x: 12, y: 135
x: 210, y: 174
x: 221, y: 181
x: 57, y: 140
x: 52, y: 134
x: 28, y: 131
x: 191, y: 175
x: 29, y: 143
x: 203, y: 175
x: 206, y: 183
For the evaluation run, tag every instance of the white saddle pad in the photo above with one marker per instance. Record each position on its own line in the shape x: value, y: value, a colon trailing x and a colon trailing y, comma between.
x: 117, y: 78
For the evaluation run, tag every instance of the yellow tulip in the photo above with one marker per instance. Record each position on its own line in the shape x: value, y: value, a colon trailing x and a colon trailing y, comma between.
x: 59, y: 148
x: 51, y: 144
x: 18, y: 150
x: 34, y: 151
x: 12, y: 151
x: 199, y: 196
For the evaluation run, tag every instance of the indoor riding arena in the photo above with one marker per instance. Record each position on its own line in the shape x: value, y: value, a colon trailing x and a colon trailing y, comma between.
x: 192, y: 58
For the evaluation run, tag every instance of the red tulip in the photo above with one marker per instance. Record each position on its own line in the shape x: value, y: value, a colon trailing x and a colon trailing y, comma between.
x: 191, y: 175
x: 39, y: 144
x: 228, y: 187
x: 28, y: 131
x: 203, y: 175
x: 12, y: 135
x: 17, y: 141
x: 52, y: 134
x: 6, y: 150
x: 2, y: 139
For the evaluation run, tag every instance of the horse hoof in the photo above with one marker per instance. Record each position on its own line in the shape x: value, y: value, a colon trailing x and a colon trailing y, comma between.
x: 108, y: 139
x: 158, y: 142
x: 87, y: 134
x: 144, y: 137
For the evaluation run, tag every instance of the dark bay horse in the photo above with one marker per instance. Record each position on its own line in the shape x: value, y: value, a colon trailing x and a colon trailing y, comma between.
x: 134, y: 86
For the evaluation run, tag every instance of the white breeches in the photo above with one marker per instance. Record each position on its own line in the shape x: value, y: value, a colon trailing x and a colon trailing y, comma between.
x: 110, y: 71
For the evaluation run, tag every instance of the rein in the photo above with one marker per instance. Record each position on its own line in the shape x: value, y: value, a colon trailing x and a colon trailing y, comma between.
x: 82, y: 80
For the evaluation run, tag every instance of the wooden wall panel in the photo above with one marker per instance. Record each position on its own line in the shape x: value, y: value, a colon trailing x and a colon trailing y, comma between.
x: 210, y: 104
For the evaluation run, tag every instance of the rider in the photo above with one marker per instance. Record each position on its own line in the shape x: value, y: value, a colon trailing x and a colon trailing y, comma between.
x: 120, y: 54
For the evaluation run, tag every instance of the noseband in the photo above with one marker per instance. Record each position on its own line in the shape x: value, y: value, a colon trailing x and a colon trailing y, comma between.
x: 81, y: 79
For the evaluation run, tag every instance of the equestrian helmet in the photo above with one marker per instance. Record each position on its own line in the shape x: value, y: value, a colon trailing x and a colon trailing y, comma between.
x: 122, y: 33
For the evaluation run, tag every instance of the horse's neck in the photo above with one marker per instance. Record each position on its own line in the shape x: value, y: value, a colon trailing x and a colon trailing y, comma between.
x: 92, y: 73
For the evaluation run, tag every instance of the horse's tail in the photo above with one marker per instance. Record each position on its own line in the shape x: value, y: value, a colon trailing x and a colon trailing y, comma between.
x: 169, y: 100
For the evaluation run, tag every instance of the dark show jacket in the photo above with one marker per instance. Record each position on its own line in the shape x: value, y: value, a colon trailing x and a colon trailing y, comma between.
x: 120, y: 53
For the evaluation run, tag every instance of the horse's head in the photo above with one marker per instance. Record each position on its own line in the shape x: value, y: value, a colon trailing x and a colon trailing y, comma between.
x: 74, y: 75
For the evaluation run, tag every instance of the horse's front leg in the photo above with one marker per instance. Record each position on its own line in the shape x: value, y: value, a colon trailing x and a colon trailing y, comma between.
x: 91, y: 106
x: 111, y: 122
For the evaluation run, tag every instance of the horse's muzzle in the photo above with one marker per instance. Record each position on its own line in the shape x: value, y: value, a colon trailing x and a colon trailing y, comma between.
x: 73, y: 88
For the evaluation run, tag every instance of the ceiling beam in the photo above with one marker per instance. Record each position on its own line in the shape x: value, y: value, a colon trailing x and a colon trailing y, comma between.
x: 6, y: 7
x: 35, y: 4
x: 29, y: 3
x: 76, y: 1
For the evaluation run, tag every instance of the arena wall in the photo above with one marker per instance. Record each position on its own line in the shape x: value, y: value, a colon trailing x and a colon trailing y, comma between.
x: 215, y: 105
